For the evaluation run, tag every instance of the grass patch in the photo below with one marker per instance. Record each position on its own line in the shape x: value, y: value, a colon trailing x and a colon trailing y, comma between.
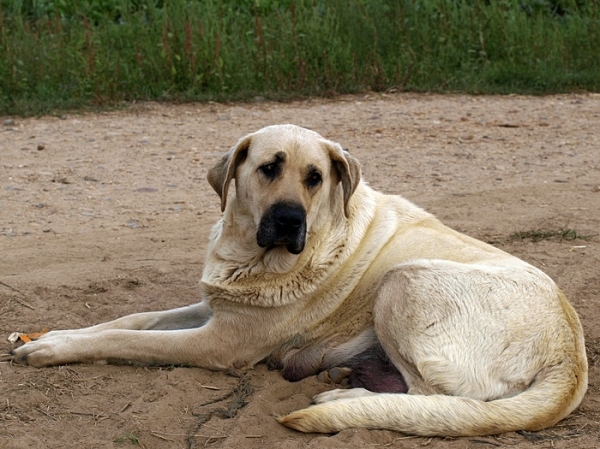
x: 538, y: 235
x: 97, y: 53
x: 128, y: 437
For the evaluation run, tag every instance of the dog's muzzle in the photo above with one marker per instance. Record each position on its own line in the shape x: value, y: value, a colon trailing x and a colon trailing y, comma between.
x: 283, y: 224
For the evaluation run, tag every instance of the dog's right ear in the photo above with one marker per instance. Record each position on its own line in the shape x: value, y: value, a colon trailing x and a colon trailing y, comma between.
x: 348, y: 168
x: 220, y: 176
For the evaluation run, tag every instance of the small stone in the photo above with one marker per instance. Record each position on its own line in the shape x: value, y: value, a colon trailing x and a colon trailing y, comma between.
x: 41, y: 147
x: 14, y: 337
x: 146, y: 190
x: 9, y: 122
x: 134, y: 224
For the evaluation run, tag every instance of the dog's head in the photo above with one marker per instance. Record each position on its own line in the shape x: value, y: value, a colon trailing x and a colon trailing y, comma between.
x: 286, y: 178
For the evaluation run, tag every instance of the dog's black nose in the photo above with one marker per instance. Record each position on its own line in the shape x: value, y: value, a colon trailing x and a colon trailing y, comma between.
x: 289, y: 217
x: 283, y: 224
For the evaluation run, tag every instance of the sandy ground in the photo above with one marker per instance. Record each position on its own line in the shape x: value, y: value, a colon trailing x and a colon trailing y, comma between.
x: 106, y: 214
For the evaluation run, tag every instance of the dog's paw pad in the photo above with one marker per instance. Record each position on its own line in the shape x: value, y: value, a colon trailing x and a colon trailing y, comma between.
x: 323, y: 376
x: 337, y: 374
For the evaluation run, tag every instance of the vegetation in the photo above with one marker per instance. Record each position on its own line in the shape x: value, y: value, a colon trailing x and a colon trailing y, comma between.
x: 63, y: 54
x: 537, y: 235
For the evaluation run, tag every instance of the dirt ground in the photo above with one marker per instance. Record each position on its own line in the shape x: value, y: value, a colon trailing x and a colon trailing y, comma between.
x: 107, y: 214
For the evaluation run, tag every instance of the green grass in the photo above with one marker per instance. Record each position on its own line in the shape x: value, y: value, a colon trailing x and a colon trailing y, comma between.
x: 66, y: 54
x: 128, y: 437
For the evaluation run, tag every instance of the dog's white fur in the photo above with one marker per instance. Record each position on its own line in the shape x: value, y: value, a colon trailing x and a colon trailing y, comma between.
x: 486, y: 342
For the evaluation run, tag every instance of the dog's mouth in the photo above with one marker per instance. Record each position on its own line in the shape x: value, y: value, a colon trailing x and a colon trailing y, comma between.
x: 283, y: 224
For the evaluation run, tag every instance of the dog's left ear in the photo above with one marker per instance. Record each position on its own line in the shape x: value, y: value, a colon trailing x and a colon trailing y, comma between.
x: 220, y: 176
x: 348, y: 168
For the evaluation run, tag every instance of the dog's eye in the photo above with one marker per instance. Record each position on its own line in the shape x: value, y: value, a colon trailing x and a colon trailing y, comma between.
x: 271, y: 170
x: 314, y: 179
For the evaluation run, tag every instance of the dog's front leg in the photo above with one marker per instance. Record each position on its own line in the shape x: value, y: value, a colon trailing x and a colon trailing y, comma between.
x: 188, y: 317
x: 181, y: 318
x: 204, y: 347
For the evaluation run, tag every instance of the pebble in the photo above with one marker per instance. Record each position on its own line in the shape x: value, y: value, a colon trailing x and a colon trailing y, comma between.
x: 9, y: 122
x: 146, y: 190
x: 134, y: 224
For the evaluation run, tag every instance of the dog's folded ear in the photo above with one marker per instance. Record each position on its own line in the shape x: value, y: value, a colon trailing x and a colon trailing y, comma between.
x: 348, y: 169
x: 220, y: 176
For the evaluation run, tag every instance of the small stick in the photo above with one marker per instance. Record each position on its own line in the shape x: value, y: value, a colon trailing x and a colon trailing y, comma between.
x: 24, y: 303
x: 43, y: 412
x: 11, y: 287
x: 158, y: 435
x: 125, y: 407
x: 85, y: 379
x: 94, y: 415
x: 20, y: 301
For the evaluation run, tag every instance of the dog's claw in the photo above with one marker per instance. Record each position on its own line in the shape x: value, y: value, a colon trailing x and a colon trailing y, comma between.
x: 16, y: 358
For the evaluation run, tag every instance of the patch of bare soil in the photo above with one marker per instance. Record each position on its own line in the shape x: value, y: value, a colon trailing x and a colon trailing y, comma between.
x: 107, y: 214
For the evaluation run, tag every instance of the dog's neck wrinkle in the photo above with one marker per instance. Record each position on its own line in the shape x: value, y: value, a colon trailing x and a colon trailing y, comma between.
x: 241, y: 273
x: 253, y: 280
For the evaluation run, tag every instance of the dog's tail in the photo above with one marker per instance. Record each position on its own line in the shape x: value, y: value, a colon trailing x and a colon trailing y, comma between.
x: 554, y: 394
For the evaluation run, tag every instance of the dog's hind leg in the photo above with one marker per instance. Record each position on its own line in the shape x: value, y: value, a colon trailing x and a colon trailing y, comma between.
x: 472, y: 330
x: 359, y: 362
x: 364, y: 363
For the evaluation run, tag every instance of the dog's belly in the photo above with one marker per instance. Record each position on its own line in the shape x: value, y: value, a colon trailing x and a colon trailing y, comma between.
x: 374, y: 371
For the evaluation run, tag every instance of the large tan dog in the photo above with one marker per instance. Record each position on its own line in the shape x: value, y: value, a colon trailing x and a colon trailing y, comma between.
x: 311, y: 269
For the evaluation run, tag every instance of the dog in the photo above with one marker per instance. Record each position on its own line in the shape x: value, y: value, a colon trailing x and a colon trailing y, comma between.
x: 312, y: 271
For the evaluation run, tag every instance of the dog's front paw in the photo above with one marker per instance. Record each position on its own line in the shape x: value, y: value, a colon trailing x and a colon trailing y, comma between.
x: 34, y: 353
x: 48, y: 350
